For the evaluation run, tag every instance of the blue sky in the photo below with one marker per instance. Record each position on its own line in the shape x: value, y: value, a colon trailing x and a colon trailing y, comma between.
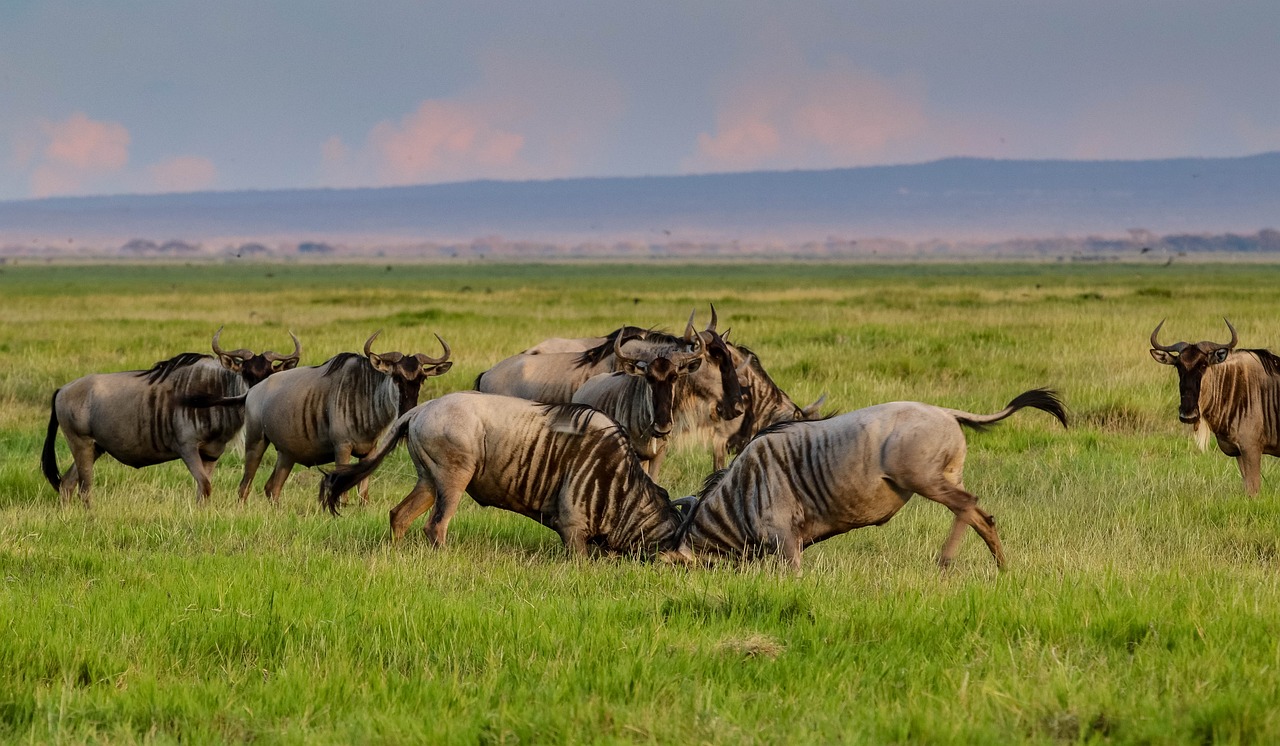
x: 168, y: 95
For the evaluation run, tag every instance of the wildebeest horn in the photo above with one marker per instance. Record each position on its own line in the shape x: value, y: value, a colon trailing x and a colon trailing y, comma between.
x: 368, y: 344
x: 692, y: 337
x: 685, y: 505
x: 1177, y: 347
x: 711, y: 327
x: 617, y: 352
x: 427, y: 360
x: 745, y: 366
x: 1234, y: 339
x: 297, y: 351
x: 217, y: 349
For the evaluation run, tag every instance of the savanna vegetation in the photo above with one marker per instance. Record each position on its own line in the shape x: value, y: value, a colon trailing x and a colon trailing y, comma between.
x: 1141, y: 605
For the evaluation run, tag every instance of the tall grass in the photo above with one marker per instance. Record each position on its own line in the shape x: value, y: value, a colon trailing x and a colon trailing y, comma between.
x: 1140, y: 604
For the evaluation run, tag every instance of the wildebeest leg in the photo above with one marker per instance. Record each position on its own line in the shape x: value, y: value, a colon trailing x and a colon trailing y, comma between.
x: 83, y: 453
x: 275, y: 482
x: 254, y: 447
x: 719, y: 454
x: 195, y: 464
x: 965, y: 507
x: 1250, y: 463
x: 655, y: 463
x: 451, y: 482
x: 417, y: 502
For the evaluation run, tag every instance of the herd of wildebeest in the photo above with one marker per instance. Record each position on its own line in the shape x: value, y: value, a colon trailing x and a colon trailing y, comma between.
x: 572, y: 433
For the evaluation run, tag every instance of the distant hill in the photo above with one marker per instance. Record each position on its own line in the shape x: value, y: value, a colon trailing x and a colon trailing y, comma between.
x: 954, y: 199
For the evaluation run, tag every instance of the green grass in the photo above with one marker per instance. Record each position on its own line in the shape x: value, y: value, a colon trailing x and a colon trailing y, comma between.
x: 1140, y: 606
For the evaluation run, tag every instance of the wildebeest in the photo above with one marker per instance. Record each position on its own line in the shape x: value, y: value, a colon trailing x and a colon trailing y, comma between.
x: 554, y: 377
x: 566, y: 466
x: 642, y: 397
x: 764, y: 404
x: 331, y: 412
x: 138, y: 418
x: 798, y: 483
x: 1235, y: 394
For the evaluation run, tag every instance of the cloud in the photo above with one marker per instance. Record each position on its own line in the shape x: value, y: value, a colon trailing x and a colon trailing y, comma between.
x: 799, y: 117
x: 184, y: 173
x: 443, y: 140
x: 524, y: 118
x: 75, y: 150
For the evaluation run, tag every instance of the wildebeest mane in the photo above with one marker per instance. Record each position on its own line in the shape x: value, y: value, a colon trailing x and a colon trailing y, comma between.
x: 711, y: 482
x: 569, y: 418
x: 1270, y: 361
x: 603, y: 350
x: 339, y: 360
x: 161, y: 371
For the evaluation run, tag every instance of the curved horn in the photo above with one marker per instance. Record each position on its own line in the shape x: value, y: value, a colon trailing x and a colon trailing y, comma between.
x: 368, y: 343
x: 745, y: 366
x: 428, y: 360
x: 1176, y: 347
x: 217, y: 348
x: 692, y: 337
x: 297, y: 351
x: 1234, y: 338
x: 617, y: 352
x: 711, y: 327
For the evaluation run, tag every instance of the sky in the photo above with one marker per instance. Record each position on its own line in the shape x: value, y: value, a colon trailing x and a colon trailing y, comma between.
x: 151, y: 96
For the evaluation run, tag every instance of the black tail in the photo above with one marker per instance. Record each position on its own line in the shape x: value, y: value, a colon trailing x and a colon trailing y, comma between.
x: 1046, y: 400
x: 49, y: 458
x: 205, y: 400
x: 336, y: 483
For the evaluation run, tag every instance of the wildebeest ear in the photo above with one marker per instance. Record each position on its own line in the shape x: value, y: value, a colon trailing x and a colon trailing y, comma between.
x: 288, y: 364
x: 231, y: 362
x: 634, y: 367
x: 441, y: 369
x: 1220, y: 354
x: 1163, y: 357
x: 693, y: 365
x: 380, y: 365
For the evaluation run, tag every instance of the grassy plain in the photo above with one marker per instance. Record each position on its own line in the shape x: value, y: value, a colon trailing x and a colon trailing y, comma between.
x: 1142, y: 603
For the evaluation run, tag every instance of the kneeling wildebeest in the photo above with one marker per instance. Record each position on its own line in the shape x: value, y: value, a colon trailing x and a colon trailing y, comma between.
x: 331, y: 412
x: 139, y: 419
x: 566, y: 466
x: 1235, y: 394
x: 798, y: 482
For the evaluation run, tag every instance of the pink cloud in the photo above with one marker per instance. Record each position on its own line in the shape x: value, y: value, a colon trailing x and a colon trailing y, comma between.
x: 184, y: 173
x: 85, y: 144
x: 794, y: 117
x: 442, y: 140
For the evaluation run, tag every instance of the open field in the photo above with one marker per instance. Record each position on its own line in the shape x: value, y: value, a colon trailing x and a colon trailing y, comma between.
x: 1142, y: 603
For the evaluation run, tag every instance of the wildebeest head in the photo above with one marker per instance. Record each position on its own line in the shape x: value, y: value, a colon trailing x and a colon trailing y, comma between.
x: 731, y: 404
x: 254, y: 368
x: 661, y: 374
x: 1191, y: 361
x: 408, y: 371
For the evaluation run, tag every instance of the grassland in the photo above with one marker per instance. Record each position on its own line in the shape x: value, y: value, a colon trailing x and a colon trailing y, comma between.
x: 1142, y: 603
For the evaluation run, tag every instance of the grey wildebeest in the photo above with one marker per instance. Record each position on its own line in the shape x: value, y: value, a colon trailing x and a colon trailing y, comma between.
x: 798, y: 483
x: 764, y: 404
x: 642, y: 397
x: 554, y: 377
x: 1235, y: 394
x: 137, y: 417
x: 566, y: 466
x: 331, y: 412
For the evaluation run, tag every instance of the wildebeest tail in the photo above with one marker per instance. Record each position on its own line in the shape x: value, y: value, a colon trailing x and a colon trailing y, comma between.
x: 1045, y: 400
x: 336, y: 483
x: 49, y: 458
x: 206, y: 399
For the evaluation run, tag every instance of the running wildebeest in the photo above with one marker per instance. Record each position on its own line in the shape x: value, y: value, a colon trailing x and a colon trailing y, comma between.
x: 331, y: 412
x: 798, y: 483
x: 138, y: 417
x: 566, y: 466
x: 1235, y: 394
